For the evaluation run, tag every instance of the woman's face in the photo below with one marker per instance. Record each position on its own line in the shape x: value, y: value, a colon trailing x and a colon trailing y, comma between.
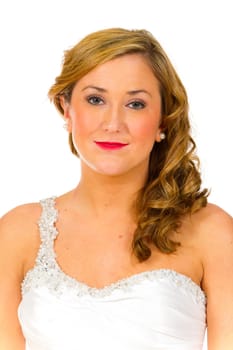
x: 114, y: 116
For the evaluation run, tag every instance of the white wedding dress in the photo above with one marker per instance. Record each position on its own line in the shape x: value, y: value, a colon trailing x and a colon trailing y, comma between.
x: 154, y: 310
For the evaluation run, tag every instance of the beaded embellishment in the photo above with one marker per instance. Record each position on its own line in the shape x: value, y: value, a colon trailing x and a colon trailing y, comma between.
x: 47, y: 273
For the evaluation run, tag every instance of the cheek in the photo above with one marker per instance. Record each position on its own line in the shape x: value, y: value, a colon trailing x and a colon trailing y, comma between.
x: 146, y: 130
x: 82, y: 122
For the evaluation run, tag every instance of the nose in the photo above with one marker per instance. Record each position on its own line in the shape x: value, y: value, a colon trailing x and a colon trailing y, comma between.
x: 113, y: 120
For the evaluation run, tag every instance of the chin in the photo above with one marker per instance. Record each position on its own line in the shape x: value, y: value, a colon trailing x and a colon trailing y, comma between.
x: 111, y: 170
x: 109, y: 167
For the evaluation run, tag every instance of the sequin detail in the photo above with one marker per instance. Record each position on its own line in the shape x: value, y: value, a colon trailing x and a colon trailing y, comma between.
x: 47, y: 273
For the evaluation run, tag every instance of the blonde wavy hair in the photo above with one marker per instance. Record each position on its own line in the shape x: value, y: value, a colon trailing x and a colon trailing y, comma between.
x: 173, y: 187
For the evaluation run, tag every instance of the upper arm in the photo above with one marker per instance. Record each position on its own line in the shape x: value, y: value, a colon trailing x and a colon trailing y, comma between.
x: 14, y: 244
x: 218, y: 278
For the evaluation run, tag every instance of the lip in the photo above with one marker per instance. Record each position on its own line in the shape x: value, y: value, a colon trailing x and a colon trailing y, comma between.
x: 110, y: 145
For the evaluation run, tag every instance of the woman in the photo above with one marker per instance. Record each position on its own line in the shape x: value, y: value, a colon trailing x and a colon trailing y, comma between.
x: 133, y: 257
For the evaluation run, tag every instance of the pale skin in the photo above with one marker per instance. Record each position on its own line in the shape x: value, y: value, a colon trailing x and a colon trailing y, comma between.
x: 105, y: 107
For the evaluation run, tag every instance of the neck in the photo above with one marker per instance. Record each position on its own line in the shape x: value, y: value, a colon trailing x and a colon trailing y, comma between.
x: 100, y: 193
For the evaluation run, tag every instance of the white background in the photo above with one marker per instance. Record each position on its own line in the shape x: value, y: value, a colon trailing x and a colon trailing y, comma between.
x: 35, y: 158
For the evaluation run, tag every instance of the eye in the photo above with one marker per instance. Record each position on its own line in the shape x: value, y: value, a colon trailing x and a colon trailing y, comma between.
x: 95, y: 100
x: 136, y: 104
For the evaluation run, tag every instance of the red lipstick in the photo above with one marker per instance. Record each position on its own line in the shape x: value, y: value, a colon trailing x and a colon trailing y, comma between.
x: 110, y: 145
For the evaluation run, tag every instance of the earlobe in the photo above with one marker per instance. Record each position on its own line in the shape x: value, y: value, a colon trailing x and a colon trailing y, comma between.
x: 160, y: 136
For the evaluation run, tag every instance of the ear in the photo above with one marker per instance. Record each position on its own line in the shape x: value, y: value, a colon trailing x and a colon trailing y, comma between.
x: 66, y: 112
x: 157, y: 138
x: 159, y: 135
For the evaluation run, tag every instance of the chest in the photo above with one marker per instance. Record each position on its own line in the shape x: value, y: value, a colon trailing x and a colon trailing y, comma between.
x: 100, y: 256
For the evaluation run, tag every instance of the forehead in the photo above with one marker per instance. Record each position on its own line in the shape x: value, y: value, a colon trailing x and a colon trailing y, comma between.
x: 132, y: 70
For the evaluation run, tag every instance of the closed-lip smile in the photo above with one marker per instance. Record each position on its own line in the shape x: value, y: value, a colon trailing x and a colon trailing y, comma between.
x: 110, y: 145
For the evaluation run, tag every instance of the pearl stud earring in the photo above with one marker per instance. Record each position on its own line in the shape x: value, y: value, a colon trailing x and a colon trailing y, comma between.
x: 162, y: 136
x: 65, y: 126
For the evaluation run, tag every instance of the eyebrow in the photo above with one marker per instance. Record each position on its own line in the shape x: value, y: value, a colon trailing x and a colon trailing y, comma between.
x: 94, y: 87
x: 131, y: 92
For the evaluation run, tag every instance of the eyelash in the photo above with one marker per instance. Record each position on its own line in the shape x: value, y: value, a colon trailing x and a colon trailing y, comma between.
x: 91, y: 98
x: 99, y: 101
x: 138, y: 103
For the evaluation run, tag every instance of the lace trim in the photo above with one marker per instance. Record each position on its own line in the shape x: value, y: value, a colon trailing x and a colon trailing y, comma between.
x: 47, y: 272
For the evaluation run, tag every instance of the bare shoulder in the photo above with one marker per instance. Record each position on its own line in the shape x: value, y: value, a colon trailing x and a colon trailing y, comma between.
x: 18, y: 243
x: 18, y: 230
x: 212, y: 212
x: 214, y: 229
x: 19, y: 218
x: 212, y: 223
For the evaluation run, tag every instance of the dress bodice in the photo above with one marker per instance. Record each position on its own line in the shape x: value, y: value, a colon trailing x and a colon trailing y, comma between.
x: 152, y: 310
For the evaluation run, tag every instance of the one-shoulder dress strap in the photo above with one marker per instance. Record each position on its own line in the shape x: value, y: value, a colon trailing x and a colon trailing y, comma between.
x: 46, y: 257
x: 48, y: 232
x: 47, y: 220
